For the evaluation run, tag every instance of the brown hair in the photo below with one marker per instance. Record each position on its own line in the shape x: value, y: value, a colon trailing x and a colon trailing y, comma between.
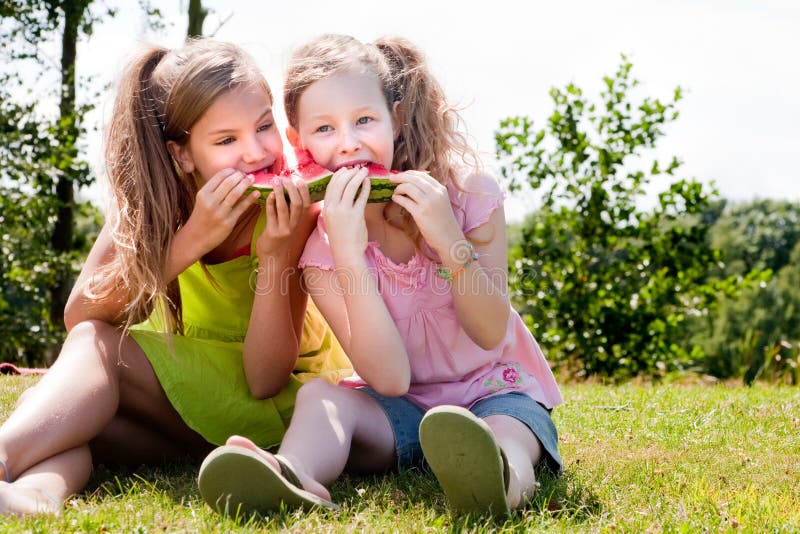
x: 428, y: 138
x: 161, y: 95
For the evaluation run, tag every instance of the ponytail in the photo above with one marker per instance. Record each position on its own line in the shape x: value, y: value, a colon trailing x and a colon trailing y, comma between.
x: 429, y: 137
x: 148, y: 198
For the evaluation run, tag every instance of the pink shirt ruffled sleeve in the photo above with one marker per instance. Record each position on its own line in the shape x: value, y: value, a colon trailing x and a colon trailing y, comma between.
x: 475, y: 200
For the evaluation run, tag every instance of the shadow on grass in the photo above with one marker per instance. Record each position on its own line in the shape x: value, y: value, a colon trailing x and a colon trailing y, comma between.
x: 176, y: 480
x: 414, y: 495
x: 565, y: 497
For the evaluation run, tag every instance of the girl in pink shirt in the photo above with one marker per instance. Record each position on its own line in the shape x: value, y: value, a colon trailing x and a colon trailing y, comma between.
x: 415, y: 290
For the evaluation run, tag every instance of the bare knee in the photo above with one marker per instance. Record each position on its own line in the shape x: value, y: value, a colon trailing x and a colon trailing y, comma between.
x: 316, y: 391
x: 321, y: 396
x: 98, y: 339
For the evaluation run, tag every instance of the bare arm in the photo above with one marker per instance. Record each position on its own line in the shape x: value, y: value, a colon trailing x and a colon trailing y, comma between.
x: 272, y: 342
x: 480, y: 292
x: 218, y: 206
x: 81, y: 307
x: 348, y: 299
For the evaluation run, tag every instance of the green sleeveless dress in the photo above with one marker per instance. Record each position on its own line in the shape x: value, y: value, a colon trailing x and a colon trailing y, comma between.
x: 201, y: 371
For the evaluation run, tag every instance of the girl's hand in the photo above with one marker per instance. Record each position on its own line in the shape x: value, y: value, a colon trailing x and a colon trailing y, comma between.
x: 429, y: 204
x: 282, y: 217
x: 218, y: 205
x: 343, y: 212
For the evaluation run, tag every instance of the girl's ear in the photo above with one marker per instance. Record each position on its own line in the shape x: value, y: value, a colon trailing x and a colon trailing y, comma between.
x: 396, y: 119
x: 293, y: 137
x: 181, y: 155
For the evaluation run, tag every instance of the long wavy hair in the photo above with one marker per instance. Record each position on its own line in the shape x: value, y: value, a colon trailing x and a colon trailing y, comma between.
x: 161, y: 95
x: 429, y: 136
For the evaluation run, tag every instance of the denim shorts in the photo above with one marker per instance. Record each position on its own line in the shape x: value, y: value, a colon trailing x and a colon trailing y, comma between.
x: 405, y: 417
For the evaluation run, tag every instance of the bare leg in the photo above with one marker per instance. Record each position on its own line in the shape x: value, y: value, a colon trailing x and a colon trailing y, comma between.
x: 332, y: 428
x: 42, y: 488
x: 96, y: 374
x: 523, y: 451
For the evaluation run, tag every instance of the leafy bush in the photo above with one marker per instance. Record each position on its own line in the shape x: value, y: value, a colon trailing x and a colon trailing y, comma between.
x: 604, y: 283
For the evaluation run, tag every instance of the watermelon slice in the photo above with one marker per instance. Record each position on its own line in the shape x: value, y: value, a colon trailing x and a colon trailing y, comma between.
x: 318, y: 177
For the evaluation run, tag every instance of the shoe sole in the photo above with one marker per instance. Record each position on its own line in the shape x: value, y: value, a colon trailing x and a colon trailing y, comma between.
x: 234, y: 480
x: 461, y: 451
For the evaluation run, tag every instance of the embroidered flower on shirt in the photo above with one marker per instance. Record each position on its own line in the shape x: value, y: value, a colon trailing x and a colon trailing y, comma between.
x: 511, y: 377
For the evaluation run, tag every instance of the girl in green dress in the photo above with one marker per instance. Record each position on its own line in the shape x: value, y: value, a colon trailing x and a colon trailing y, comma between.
x: 187, y: 323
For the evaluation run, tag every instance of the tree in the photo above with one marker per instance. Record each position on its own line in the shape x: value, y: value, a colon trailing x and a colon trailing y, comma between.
x: 41, y: 166
x: 759, y: 332
x: 604, y: 283
x: 197, y: 15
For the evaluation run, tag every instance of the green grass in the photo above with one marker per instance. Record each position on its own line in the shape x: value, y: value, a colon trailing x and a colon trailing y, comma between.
x: 666, y: 458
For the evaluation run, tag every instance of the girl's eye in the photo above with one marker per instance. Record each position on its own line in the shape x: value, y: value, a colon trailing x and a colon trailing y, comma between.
x: 265, y: 127
x: 323, y: 129
x: 363, y: 120
x: 226, y: 141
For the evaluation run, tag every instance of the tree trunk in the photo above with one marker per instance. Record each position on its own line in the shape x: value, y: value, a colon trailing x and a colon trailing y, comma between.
x: 197, y: 15
x: 62, y: 238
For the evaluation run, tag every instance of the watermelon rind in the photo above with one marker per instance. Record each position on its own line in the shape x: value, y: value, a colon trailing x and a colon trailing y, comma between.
x: 381, y: 189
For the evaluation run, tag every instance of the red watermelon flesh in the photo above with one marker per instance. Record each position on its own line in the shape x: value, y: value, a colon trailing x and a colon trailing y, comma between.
x: 318, y: 177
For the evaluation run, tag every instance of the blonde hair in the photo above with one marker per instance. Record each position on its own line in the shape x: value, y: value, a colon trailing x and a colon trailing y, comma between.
x: 162, y: 94
x: 429, y: 136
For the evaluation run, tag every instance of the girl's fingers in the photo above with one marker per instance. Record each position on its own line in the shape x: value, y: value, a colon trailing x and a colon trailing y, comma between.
x: 336, y: 188
x: 229, y: 183
x: 216, y: 180
x: 294, y: 194
x: 237, y: 192
x: 356, y: 180
x: 406, y: 203
x: 270, y: 209
x: 281, y: 207
x: 295, y: 206
x: 244, y: 204
x: 410, y: 190
x: 363, y: 195
x: 306, y: 194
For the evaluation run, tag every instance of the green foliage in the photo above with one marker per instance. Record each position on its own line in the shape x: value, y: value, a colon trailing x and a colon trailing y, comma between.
x: 605, y: 284
x: 759, y: 333
x: 40, y: 167
x: 28, y: 267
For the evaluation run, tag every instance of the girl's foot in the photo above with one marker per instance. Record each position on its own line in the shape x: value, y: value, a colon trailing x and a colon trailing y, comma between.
x: 240, y: 478
x: 306, y: 482
x: 466, y: 460
x: 16, y: 499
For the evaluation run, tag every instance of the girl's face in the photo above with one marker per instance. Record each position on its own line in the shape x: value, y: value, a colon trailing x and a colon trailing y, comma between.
x: 343, y: 120
x: 238, y: 131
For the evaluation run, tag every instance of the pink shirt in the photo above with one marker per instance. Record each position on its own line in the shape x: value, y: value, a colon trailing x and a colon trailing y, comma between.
x: 447, y: 367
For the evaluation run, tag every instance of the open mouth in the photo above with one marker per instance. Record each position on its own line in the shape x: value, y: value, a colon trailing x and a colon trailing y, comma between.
x: 357, y: 163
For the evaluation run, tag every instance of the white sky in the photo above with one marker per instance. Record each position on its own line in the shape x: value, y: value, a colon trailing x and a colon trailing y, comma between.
x: 737, y: 61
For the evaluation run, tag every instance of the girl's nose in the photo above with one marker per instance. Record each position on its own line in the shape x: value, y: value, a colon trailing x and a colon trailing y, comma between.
x: 254, y: 150
x: 348, y: 140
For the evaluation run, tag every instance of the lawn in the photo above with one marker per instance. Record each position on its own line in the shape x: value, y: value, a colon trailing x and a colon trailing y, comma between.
x: 674, y: 458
